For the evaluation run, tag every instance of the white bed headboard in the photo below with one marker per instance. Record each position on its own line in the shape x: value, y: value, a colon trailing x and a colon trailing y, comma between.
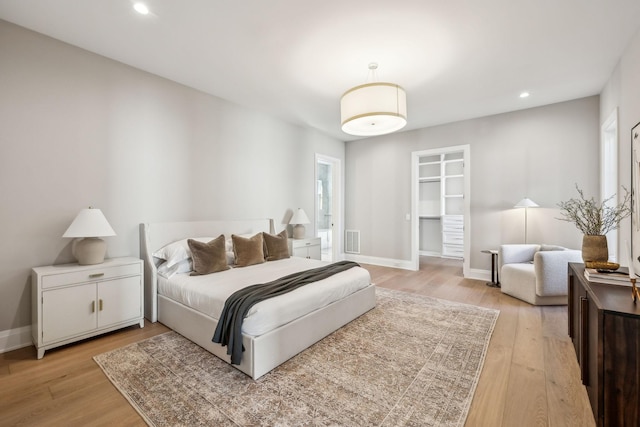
x: 155, y: 236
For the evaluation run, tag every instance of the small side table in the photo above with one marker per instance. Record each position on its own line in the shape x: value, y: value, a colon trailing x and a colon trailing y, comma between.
x: 495, y: 275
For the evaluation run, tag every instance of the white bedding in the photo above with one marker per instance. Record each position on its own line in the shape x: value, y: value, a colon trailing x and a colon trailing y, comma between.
x: 208, y: 293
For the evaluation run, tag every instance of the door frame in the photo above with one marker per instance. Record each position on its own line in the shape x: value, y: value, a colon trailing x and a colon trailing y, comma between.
x: 415, y: 197
x: 337, y: 202
x: 609, y: 173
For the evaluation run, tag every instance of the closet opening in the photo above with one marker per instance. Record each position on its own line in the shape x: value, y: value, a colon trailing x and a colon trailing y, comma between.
x: 440, y: 204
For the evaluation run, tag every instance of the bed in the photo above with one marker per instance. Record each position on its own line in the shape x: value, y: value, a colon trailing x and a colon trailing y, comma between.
x: 267, y: 343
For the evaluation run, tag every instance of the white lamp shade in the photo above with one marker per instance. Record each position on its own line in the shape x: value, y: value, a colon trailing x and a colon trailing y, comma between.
x: 89, y: 223
x: 526, y: 203
x: 373, y: 109
x: 300, y: 217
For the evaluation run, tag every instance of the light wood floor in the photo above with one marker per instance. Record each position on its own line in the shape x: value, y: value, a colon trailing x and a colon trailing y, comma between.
x: 530, y: 375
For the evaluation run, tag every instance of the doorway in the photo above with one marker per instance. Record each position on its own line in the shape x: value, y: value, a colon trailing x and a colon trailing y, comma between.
x: 440, y: 204
x: 327, y: 201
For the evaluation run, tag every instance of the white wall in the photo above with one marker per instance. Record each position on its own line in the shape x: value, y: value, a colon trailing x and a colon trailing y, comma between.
x: 77, y: 129
x: 539, y: 153
x: 622, y: 91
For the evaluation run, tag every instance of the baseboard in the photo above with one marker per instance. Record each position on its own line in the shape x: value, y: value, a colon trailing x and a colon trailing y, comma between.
x: 14, y: 339
x: 383, y: 262
x: 477, y: 274
x: 474, y: 273
x: 430, y: 253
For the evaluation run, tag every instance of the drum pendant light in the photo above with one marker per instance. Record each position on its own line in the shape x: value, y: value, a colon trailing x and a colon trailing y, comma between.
x: 374, y: 108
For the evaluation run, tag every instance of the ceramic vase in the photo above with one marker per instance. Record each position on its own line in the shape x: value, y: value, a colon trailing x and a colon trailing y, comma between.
x: 594, y: 249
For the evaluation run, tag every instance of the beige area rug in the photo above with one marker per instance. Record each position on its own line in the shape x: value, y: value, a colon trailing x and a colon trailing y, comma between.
x: 411, y: 361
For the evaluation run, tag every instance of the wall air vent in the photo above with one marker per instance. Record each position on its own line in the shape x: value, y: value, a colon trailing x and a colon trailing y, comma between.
x: 352, y: 241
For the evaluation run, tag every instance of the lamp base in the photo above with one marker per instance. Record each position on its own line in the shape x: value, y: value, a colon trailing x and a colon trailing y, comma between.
x: 89, y: 250
x: 298, y: 231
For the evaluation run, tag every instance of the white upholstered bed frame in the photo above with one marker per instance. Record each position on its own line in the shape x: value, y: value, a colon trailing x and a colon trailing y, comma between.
x: 262, y: 353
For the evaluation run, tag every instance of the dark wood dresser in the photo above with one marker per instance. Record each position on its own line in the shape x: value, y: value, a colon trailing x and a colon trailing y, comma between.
x: 604, y: 325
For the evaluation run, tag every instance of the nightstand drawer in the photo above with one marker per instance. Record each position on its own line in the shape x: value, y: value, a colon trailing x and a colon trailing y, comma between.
x: 301, y: 243
x: 308, y: 247
x: 89, y: 275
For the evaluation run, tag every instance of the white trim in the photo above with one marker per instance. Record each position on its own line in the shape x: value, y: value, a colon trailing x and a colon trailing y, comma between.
x: 415, y: 159
x: 473, y: 273
x: 384, y: 262
x: 609, y: 172
x: 430, y: 253
x: 13, y: 339
x: 477, y: 274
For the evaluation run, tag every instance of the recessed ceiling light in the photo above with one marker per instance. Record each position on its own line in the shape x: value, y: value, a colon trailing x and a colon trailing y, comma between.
x: 141, y: 8
x: 524, y: 94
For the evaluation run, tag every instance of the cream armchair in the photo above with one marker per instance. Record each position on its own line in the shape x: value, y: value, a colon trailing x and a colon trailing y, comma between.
x: 536, y: 274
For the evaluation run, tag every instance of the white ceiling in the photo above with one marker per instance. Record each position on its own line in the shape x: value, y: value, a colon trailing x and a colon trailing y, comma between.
x: 457, y: 59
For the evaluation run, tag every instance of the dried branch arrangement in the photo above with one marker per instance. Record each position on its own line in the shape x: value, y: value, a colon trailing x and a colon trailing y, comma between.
x: 592, y: 218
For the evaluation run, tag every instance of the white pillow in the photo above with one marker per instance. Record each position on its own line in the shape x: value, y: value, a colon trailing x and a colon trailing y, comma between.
x: 184, y: 266
x: 178, y: 251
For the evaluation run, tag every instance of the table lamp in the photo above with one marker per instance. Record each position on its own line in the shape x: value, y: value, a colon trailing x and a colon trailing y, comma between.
x: 89, y: 225
x: 299, y: 218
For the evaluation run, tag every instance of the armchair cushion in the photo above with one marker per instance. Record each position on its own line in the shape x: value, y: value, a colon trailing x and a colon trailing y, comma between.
x: 512, y: 254
x: 536, y: 274
x: 551, y: 270
x: 552, y: 248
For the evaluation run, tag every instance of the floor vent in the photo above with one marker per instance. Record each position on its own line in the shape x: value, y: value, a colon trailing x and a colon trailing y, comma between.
x: 352, y: 241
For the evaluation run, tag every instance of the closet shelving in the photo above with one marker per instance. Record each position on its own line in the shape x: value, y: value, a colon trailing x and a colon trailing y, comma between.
x: 441, y: 204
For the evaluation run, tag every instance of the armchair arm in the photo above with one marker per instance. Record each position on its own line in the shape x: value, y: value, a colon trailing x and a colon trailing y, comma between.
x: 551, y: 270
x: 516, y: 253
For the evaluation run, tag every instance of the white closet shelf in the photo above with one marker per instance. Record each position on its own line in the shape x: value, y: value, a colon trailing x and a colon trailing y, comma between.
x: 430, y: 179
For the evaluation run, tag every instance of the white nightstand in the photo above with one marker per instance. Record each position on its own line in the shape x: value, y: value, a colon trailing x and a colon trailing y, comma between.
x: 71, y: 302
x: 306, y: 248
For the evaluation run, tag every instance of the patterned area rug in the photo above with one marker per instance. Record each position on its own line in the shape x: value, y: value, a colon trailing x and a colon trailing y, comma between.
x: 411, y: 361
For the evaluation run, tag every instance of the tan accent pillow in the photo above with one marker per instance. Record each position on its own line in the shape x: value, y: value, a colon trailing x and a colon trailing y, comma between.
x: 248, y: 251
x: 277, y: 246
x: 208, y: 257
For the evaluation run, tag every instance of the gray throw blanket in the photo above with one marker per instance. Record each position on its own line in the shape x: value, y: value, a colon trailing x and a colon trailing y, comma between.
x: 229, y: 329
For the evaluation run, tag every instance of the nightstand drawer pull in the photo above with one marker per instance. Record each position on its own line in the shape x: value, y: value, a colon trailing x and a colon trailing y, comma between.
x: 100, y: 305
x: 96, y: 275
x: 93, y: 306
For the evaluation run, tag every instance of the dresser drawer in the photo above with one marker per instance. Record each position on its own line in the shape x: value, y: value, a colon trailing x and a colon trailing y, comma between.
x: 455, y: 238
x: 454, y: 251
x: 92, y: 274
x: 453, y: 223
